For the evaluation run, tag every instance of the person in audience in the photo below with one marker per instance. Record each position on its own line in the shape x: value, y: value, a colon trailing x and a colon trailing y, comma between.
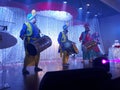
x: 116, y: 43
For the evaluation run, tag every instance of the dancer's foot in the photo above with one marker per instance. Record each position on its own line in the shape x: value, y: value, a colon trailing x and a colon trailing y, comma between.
x: 37, y: 69
x: 25, y: 72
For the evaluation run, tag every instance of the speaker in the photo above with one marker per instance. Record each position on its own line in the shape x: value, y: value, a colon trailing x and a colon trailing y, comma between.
x: 74, y: 79
x: 101, y: 62
x: 115, y: 84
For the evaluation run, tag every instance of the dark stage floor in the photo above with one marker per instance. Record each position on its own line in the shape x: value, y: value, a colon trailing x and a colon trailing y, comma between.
x: 11, y: 73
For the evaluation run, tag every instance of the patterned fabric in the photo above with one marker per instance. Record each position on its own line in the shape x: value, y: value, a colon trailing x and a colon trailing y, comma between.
x: 95, y: 37
x: 86, y: 37
x: 29, y: 29
x: 29, y: 33
x: 94, y: 51
x: 62, y: 38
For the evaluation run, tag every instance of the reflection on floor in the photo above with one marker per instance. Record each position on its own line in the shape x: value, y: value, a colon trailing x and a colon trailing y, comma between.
x: 12, y: 78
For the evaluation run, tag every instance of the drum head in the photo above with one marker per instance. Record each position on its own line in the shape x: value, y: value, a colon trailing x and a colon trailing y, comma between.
x: 31, y: 50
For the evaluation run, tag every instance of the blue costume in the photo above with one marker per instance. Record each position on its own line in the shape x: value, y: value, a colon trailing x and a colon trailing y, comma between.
x: 62, y: 38
x: 29, y: 33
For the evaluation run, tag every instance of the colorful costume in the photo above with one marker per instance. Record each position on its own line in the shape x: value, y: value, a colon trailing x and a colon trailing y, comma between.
x: 97, y: 52
x: 91, y: 41
x: 62, y: 38
x: 29, y: 34
x: 85, y: 37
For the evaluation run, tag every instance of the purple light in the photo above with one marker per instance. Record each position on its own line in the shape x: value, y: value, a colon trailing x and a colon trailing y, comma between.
x: 115, y: 60
x: 104, y: 61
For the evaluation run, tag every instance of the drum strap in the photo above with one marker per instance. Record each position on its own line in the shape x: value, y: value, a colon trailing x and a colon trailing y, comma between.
x: 64, y: 37
x: 29, y: 29
x: 30, y: 38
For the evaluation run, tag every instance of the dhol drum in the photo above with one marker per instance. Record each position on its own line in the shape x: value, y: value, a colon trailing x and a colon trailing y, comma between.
x: 90, y: 45
x: 39, y: 45
x: 71, y: 47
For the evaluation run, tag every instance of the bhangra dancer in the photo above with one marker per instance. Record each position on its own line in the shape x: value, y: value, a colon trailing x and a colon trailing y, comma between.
x: 90, y: 44
x: 63, y: 38
x: 84, y: 38
x: 29, y: 33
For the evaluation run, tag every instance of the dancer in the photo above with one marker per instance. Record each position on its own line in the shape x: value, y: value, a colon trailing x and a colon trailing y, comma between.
x: 29, y: 33
x: 85, y: 38
x: 63, y: 38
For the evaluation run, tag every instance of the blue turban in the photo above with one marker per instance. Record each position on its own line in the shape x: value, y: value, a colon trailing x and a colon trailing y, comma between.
x: 65, y: 27
x: 30, y: 16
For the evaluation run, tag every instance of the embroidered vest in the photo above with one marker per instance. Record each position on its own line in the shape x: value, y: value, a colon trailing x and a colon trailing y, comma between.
x: 64, y: 37
x: 29, y: 29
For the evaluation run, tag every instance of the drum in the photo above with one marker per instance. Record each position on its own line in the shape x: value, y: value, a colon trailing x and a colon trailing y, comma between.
x: 39, y: 45
x: 89, y: 45
x: 71, y: 47
x: 75, y: 48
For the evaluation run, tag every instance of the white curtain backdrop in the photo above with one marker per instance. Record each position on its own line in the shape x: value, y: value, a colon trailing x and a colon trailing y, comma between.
x: 14, y: 19
x: 94, y: 23
x: 74, y: 34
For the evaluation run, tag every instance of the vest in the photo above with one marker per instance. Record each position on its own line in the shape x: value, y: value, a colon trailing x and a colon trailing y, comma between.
x: 29, y: 29
x: 64, y: 37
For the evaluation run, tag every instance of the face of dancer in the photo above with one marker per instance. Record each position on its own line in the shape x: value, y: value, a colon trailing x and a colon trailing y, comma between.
x: 65, y: 31
x: 87, y: 29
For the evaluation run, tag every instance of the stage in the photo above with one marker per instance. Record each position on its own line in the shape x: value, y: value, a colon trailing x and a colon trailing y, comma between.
x: 11, y: 73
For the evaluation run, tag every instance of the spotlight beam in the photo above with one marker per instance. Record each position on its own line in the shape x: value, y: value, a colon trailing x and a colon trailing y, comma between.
x: 106, y: 61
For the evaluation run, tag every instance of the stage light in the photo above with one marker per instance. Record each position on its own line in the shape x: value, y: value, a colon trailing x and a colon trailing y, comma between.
x: 65, y: 2
x: 59, y: 15
x: 88, y: 12
x: 80, y: 8
x: 95, y: 15
x: 114, y: 60
x: 101, y: 62
x: 64, y: 5
x: 88, y: 4
x: 80, y: 11
x: 104, y: 61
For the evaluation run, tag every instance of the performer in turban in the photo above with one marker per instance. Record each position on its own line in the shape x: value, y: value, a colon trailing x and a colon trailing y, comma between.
x: 29, y: 33
x: 62, y: 38
x: 84, y: 38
